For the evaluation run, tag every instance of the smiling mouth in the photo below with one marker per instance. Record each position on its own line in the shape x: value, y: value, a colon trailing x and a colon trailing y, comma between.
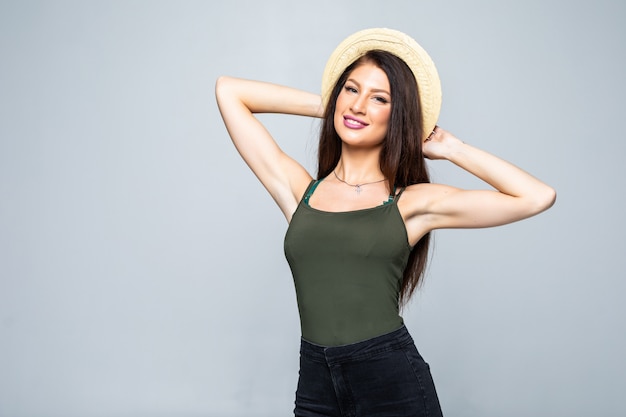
x: 353, y: 122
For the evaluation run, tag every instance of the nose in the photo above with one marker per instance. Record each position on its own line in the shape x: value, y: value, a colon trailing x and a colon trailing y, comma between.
x: 359, y: 104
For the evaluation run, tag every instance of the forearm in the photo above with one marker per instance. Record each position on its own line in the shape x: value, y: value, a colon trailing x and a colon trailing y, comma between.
x: 500, y: 174
x: 262, y: 97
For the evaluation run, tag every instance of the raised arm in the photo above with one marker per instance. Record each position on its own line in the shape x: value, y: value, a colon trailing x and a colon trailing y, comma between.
x: 238, y: 100
x: 517, y: 194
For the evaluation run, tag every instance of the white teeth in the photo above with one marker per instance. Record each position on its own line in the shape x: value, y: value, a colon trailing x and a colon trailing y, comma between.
x: 354, y: 122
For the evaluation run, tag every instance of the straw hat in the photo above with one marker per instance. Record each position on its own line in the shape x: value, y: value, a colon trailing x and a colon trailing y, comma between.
x: 399, y: 44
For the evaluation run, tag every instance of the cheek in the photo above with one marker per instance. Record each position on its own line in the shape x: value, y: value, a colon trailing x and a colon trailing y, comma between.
x: 383, y: 117
x: 337, y: 119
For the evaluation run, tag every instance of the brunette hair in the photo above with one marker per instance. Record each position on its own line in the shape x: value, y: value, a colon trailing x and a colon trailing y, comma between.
x: 401, y: 158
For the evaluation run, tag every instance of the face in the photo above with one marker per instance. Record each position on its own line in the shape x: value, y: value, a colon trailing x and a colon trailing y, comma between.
x: 364, y: 107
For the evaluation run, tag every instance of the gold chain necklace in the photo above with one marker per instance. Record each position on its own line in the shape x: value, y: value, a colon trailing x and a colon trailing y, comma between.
x: 357, y: 187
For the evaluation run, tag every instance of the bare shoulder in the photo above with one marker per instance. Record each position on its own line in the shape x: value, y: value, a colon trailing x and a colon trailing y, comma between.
x: 299, y: 186
x: 289, y: 199
x: 416, y: 207
x: 418, y: 199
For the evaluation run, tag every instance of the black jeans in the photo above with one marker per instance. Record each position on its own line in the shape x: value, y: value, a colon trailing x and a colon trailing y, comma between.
x: 380, y: 377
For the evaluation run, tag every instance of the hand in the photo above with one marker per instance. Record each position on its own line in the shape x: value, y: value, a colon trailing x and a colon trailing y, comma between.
x: 439, y: 144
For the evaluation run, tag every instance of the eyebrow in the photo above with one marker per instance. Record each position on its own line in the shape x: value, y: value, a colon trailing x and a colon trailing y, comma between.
x: 375, y: 90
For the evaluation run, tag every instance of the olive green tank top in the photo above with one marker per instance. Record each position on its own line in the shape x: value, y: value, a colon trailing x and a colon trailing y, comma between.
x: 347, y: 269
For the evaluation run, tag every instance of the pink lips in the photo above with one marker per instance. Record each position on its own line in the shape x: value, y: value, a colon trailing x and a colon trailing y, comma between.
x: 353, y: 122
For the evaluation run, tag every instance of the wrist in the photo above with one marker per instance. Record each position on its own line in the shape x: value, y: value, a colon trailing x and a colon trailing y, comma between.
x: 457, y: 151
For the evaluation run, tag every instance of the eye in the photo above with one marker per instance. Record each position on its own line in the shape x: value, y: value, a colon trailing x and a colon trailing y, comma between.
x: 350, y: 89
x: 381, y: 100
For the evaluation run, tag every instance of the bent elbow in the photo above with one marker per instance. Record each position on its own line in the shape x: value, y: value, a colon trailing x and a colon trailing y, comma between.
x: 220, y: 83
x: 550, y: 197
x: 545, y: 199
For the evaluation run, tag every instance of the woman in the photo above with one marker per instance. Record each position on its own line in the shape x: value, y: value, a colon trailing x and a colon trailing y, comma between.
x: 358, y: 235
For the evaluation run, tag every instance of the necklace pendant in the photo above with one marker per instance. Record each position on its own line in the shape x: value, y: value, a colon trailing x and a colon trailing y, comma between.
x: 357, y: 187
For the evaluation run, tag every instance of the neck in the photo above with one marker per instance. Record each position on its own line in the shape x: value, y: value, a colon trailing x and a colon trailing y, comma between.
x: 359, y: 167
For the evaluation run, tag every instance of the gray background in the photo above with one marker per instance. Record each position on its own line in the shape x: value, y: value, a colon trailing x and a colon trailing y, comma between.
x: 141, y: 263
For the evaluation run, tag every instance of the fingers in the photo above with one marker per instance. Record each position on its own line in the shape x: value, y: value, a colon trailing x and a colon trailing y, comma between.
x: 432, y: 134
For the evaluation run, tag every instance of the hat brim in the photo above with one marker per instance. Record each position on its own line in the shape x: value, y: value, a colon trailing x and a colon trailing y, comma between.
x: 405, y: 48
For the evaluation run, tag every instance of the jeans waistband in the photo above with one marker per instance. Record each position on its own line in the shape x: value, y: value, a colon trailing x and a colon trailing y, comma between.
x: 359, y: 350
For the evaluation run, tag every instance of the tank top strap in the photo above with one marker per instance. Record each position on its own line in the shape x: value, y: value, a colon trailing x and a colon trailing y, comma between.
x: 394, y: 196
x: 397, y: 196
x: 309, y: 191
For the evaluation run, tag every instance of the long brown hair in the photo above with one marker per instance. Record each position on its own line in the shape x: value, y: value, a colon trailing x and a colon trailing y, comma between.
x: 401, y: 158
